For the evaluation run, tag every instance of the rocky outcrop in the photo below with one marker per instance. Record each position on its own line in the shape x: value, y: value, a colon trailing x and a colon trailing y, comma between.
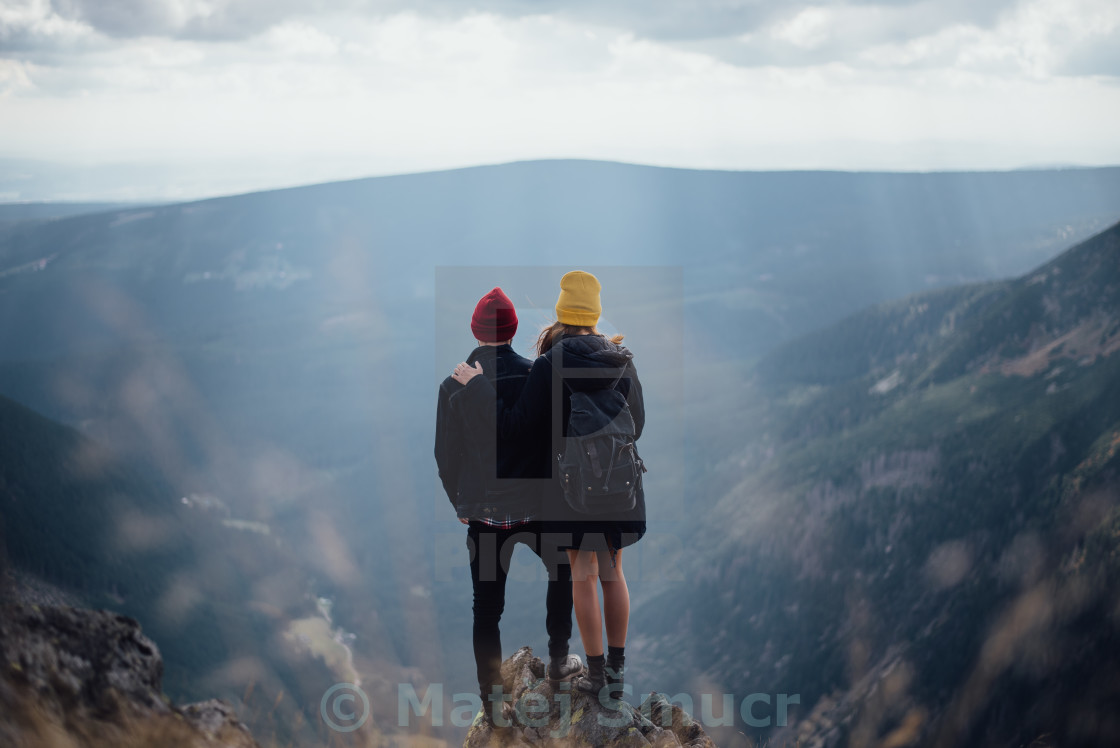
x: 218, y: 721
x: 70, y: 676
x: 538, y: 715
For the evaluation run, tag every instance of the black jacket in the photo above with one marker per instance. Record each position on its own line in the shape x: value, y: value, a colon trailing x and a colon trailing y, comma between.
x: 483, y: 474
x: 578, y: 362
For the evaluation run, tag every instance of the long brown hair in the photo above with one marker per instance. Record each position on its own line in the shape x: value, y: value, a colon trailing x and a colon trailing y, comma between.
x: 551, y: 335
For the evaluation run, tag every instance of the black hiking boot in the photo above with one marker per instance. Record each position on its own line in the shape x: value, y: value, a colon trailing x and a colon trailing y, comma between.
x: 565, y: 669
x: 595, y: 679
x: 616, y: 669
x: 615, y: 677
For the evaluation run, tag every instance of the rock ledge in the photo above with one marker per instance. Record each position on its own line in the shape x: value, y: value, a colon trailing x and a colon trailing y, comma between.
x: 71, y: 676
x: 539, y: 716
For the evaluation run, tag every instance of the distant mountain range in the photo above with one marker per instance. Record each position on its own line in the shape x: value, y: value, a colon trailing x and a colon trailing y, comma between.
x: 272, y: 358
x: 784, y: 253
x: 22, y: 216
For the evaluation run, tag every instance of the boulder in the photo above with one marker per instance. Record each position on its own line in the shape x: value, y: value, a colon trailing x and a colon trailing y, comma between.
x: 72, y: 676
x: 538, y: 715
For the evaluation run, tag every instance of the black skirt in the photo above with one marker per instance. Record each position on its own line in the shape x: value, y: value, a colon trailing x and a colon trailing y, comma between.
x: 575, y: 531
x: 599, y: 536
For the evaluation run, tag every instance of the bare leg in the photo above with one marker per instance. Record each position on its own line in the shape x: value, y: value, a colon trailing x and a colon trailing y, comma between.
x: 585, y: 600
x: 616, y: 598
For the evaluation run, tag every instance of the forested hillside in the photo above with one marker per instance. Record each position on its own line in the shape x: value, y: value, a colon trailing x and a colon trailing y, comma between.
x: 923, y: 533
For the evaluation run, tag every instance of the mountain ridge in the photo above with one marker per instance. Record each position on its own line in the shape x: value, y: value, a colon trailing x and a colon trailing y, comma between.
x: 897, y: 523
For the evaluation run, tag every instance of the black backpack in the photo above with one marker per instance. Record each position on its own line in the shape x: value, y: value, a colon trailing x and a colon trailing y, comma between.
x: 600, y: 470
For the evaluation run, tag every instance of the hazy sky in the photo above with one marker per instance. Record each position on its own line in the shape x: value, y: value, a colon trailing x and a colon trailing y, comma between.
x: 291, y: 91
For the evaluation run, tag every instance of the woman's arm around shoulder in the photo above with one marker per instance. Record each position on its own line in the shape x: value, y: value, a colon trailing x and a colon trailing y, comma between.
x: 516, y: 420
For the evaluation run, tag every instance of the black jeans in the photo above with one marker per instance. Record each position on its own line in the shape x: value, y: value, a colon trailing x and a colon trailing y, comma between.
x: 491, y: 549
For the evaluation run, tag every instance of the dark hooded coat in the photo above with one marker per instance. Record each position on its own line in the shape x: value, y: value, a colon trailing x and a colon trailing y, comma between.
x: 574, y: 363
x: 486, y: 476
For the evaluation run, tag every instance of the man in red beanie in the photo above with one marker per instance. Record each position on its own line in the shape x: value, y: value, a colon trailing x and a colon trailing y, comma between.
x: 493, y: 485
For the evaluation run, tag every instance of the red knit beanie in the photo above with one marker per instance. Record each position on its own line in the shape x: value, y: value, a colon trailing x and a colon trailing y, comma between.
x: 495, y: 319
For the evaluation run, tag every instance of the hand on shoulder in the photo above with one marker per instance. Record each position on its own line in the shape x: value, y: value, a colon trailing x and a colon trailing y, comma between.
x: 464, y: 373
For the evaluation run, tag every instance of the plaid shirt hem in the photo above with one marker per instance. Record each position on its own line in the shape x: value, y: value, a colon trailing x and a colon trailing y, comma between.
x: 506, y: 522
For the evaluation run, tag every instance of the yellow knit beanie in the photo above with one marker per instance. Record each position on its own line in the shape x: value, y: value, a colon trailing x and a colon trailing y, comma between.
x: 579, y: 299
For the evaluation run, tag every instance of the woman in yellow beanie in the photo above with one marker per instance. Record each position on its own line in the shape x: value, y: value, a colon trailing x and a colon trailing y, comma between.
x: 575, y: 356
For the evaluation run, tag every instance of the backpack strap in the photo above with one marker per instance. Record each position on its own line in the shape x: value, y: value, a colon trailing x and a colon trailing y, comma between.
x: 614, y: 384
x: 593, y: 455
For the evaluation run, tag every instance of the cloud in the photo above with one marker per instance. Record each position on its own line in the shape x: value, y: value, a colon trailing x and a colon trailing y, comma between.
x: 665, y: 20
x: 13, y: 77
x: 808, y: 29
x: 1089, y: 37
x: 1100, y: 57
x: 1034, y: 39
x: 241, y: 19
x: 746, y: 33
x: 185, y: 19
x: 28, y: 25
x: 739, y: 85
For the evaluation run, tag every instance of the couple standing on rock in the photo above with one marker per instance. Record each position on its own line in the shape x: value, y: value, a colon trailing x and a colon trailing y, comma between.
x: 506, y: 440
